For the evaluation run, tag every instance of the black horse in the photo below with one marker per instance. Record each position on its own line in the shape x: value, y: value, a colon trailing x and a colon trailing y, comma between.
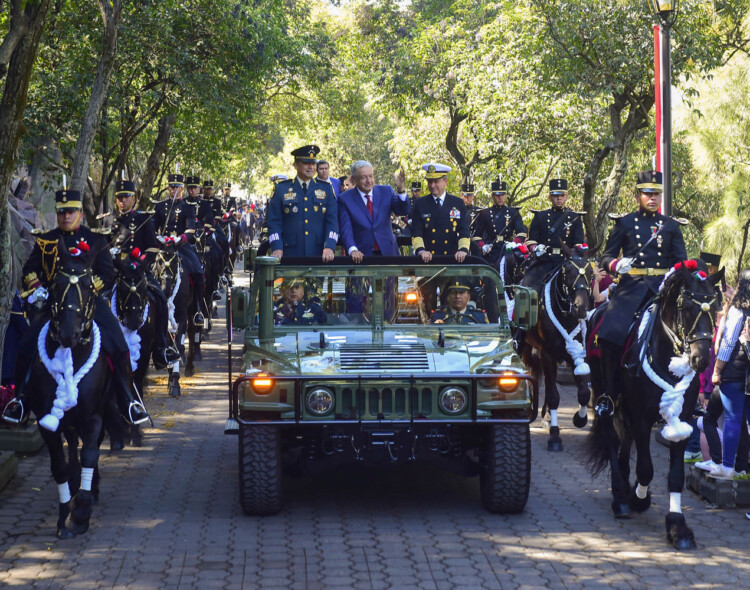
x: 72, y: 403
x: 559, y: 335
x: 671, y: 342
x: 176, y: 284
x: 210, y: 255
x: 512, y: 266
x: 137, y: 316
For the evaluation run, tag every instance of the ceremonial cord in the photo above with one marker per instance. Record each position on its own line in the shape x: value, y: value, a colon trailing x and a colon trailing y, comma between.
x: 132, y: 337
x: 60, y: 367
x: 575, y: 349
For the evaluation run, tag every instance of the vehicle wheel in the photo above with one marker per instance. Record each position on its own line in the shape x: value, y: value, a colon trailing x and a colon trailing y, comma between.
x: 260, y: 469
x: 506, y: 473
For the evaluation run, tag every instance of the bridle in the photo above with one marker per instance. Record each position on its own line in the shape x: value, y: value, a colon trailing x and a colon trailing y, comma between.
x: 135, y: 298
x: 83, y: 308
x: 707, y: 304
x: 581, y: 282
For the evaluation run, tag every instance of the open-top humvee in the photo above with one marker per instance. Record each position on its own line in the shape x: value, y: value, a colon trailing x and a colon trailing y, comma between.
x: 374, y: 379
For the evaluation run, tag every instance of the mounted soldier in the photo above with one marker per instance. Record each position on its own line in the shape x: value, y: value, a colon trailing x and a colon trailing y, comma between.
x: 38, y: 273
x: 641, y: 248
x: 498, y: 224
x: 135, y: 230
x: 204, y: 223
x: 549, y: 230
x: 175, y: 217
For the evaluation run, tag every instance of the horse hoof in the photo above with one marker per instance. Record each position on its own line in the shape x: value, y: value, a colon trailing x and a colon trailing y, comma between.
x: 80, y: 512
x: 64, y: 533
x: 554, y: 445
x: 637, y: 504
x: 679, y: 534
x: 190, y: 369
x: 116, y: 445
x: 621, y: 509
x: 580, y: 421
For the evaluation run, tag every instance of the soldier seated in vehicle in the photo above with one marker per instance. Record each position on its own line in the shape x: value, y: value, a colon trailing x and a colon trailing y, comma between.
x: 459, y: 309
x: 295, y: 308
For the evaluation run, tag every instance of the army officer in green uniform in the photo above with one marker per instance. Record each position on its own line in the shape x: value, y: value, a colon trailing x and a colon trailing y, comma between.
x: 458, y: 310
x: 295, y: 308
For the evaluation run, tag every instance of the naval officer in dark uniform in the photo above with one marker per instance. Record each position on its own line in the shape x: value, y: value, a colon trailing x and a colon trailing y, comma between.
x: 175, y: 217
x: 303, y: 213
x: 38, y: 273
x: 498, y: 224
x: 135, y: 229
x: 641, y: 248
x: 440, y: 221
x: 550, y: 229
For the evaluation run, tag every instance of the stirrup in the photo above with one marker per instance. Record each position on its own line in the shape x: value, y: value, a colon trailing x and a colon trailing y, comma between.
x: 199, y: 319
x: 172, y: 354
x: 10, y: 407
x: 138, y: 406
x: 223, y: 280
x: 216, y: 295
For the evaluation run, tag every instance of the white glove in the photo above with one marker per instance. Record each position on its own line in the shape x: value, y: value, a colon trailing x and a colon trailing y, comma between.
x: 540, y: 249
x: 486, y: 248
x: 624, y: 265
x: 39, y: 294
x: 114, y: 251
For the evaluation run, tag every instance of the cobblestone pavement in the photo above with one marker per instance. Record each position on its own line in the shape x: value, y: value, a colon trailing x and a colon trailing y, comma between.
x: 169, y: 517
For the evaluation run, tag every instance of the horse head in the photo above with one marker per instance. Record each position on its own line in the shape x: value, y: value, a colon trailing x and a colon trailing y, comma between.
x: 516, y: 261
x: 72, y: 295
x: 690, y: 300
x: 576, y: 276
x: 167, y: 266
x: 130, y: 290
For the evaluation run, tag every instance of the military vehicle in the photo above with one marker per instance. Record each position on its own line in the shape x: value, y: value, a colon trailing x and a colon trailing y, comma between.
x: 355, y: 369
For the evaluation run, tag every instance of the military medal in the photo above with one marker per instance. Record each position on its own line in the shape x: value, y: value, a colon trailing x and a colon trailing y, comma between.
x: 455, y: 214
x: 295, y: 209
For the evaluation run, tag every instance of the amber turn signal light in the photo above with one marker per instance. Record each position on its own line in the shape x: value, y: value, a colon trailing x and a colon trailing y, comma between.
x: 262, y: 383
x: 508, y: 382
x: 410, y: 298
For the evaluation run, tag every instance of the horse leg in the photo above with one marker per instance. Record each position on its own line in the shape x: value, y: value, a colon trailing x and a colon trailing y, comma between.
x: 60, y: 470
x: 174, y: 380
x: 580, y: 418
x: 640, y: 497
x: 552, y: 401
x: 679, y: 534
x: 80, y: 505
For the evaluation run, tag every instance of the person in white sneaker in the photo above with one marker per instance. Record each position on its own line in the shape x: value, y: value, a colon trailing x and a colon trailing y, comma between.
x: 730, y: 373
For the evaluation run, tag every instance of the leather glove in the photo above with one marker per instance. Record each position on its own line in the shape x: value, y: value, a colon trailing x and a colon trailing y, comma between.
x: 624, y: 265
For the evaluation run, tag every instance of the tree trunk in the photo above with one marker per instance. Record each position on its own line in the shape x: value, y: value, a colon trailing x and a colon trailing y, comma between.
x: 166, y: 124
x: 12, y: 107
x: 111, y: 12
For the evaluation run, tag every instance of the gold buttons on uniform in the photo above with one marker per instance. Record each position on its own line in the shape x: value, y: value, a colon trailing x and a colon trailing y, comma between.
x: 305, y: 233
x: 308, y: 222
x: 305, y: 209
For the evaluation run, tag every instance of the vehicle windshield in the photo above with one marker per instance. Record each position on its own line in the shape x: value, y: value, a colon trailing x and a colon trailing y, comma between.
x: 390, y: 296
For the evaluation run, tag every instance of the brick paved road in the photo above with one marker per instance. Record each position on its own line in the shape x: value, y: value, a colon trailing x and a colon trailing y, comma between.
x: 170, y: 518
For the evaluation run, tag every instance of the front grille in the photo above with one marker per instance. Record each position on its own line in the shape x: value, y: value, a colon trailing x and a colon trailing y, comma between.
x: 366, y: 357
x: 388, y: 402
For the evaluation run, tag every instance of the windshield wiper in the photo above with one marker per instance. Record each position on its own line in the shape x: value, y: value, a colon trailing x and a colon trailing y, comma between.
x: 441, y: 271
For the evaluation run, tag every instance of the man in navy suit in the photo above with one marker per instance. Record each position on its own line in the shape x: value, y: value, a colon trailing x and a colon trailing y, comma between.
x: 323, y: 170
x: 365, y: 214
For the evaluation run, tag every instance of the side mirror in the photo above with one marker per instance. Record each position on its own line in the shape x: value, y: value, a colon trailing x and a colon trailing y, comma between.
x: 526, y: 307
x: 240, y: 308
x: 249, y: 255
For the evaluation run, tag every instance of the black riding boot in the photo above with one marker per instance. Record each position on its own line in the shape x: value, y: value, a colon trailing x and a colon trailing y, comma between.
x: 17, y: 410
x: 199, y: 287
x: 164, y: 354
x: 128, y: 398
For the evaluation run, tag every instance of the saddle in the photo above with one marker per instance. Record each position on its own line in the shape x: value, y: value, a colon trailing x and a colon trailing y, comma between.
x: 636, y: 349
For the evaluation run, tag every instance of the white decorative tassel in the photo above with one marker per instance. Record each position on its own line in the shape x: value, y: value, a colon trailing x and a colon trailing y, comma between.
x: 670, y: 406
x: 574, y: 347
x: 60, y: 367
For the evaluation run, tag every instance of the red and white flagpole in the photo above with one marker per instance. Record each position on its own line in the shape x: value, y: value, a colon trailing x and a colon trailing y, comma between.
x: 657, y: 95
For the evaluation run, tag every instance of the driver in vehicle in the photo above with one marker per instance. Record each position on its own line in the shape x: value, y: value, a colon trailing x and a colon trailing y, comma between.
x: 459, y: 310
x: 296, y: 308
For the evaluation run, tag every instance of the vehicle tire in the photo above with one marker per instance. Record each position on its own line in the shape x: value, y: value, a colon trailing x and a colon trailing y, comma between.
x: 260, y: 469
x: 506, y: 473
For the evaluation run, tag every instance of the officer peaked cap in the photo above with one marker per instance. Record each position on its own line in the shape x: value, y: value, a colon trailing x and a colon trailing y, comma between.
x: 650, y: 181
x: 499, y: 187
x: 467, y: 188
x: 458, y: 285
x: 558, y: 185
x: 435, y: 170
x: 66, y: 200
x: 306, y: 153
x: 177, y: 179
x: 124, y: 187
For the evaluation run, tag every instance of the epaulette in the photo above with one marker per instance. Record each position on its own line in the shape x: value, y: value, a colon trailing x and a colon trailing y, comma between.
x: 616, y: 215
x: 535, y: 210
x: 103, y: 231
x: 103, y: 215
x: 288, y: 180
x: 681, y: 220
x: 37, y: 231
x: 579, y: 212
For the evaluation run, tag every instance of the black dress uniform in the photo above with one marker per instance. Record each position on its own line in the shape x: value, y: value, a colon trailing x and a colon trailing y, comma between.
x: 440, y: 229
x: 135, y: 229
x: 498, y: 225
x: 39, y: 271
x: 655, y: 243
x: 551, y: 228
x: 205, y: 227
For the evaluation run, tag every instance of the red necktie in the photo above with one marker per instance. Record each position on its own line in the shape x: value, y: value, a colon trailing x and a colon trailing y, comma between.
x: 369, y: 208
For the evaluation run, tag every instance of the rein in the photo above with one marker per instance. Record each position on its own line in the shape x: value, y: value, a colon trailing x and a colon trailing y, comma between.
x: 177, y: 276
x: 574, y: 348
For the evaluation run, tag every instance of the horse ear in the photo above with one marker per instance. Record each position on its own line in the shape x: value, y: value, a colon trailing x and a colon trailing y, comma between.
x: 717, y: 277
x: 567, y: 250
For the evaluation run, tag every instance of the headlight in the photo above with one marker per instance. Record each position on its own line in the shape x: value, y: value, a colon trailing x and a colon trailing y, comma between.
x: 320, y: 401
x: 453, y: 400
